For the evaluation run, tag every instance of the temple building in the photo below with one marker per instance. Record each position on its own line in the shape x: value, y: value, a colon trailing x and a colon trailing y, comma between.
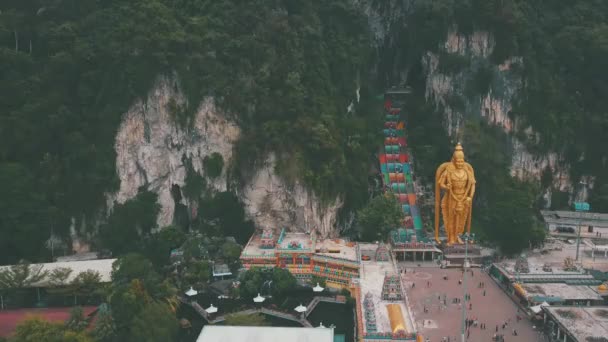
x: 391, y: 289
x: 407, y: 246
x: 303, y: 255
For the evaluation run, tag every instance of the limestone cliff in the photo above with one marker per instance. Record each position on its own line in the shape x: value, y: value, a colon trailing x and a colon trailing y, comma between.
x: 272, y: 202
x: 151, y: 149
x: 388, y: 20
x: 494, y: 106
x: 151, y: 146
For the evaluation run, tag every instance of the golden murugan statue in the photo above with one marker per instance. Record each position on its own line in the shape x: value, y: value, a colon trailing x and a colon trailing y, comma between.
x: 457, y: 179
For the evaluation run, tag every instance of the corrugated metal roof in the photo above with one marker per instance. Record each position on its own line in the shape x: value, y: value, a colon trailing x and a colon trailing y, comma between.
x: 216, y: 333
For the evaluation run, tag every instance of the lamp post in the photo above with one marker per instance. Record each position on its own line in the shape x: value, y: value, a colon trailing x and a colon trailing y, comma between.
x: 466, y: 237
x: 580, y: 207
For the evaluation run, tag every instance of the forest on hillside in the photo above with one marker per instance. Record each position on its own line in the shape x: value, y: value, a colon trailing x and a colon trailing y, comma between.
x: 285, y: 70
x: 564, y: 48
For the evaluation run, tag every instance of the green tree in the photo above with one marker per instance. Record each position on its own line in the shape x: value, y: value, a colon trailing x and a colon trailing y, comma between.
x: 156, y: 323
x: 158, y: 246
x: 213, y: 165
x: 379, y: 217
x: 20, y: 228
x: 85, y: 284
x: 254, y: 320
x: 135, y: 267
x: 506, y: 218
x: 76, y: 321
x: 197, y: 272
x: 282, y: 282
x: 128, y: 222
x: 35, y: 329
x: 317, y: 280
x: 15, y: 278
x: 105, y: 329
x: 231, y: 252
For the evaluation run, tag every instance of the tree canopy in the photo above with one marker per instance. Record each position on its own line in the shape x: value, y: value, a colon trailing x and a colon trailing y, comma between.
x: 284, y: 70
x: 379, y: 217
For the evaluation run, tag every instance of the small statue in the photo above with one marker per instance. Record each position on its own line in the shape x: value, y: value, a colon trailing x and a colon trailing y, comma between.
x: 457, y: 179
x: 569, y: 264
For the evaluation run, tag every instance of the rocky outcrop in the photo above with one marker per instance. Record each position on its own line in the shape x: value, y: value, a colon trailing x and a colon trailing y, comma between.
x: 272, y: 202
x: 494, y: 106
x: 151, y: 149
x: 151, y: 146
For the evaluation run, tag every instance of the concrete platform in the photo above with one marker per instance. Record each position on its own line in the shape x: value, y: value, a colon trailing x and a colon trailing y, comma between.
x: 441, y: 320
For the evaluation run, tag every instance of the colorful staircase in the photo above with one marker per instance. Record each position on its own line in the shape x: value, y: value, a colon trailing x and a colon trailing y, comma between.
x: 397, y: 172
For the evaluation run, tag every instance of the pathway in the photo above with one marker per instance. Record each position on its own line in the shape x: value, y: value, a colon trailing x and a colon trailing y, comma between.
x: 302, y: 320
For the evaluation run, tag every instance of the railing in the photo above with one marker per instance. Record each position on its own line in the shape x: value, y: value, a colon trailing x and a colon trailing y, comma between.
x: 331, y: 275
x: 389, y: 336
x: 326, y: 258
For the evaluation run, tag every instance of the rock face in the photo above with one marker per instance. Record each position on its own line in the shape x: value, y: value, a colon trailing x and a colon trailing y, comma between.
x: 494, y: 106
x: 271, y: 202
x: 150, y: 152
x: 151, y: 146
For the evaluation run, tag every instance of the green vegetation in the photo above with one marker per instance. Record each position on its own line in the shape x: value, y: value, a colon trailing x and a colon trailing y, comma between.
x: 128, y: 222
x: 563, y: 46
x: 254, y: 320
x: 195, y: 183
x: 213, y: 165
x: 69, y: 70
x: 451, y: 63
x: 379, y: 217
x: 507, y: 217
x: 223, y: 215
x: 282, y: 282
x: 36, y: 329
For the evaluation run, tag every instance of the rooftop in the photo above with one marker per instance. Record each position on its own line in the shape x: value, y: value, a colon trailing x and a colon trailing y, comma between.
x: 295, y: 241
x: 216, y: 333
x: 101, y: 266
x: 582, y: 323
x: 337, y: 248
x: 253, y: 247
x: 574, y: 218
x: 564, y: 291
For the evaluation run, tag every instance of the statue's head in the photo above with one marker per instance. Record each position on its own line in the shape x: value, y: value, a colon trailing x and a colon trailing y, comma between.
x: 458, y: 157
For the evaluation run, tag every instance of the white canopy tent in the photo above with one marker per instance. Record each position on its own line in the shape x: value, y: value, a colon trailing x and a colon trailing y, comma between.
x: 259, y: 299
x: 191, y: 292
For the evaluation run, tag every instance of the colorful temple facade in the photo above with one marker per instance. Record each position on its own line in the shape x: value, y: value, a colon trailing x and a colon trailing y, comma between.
x: 304, y: 256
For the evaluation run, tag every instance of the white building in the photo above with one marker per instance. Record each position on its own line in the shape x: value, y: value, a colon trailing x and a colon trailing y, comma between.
x: 217, y: 333
x: 567, y: 222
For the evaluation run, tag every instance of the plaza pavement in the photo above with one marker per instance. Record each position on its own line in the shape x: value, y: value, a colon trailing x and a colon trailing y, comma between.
x: 493, y: 309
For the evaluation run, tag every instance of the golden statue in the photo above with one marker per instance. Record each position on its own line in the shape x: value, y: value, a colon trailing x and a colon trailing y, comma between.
x: 458, y: 180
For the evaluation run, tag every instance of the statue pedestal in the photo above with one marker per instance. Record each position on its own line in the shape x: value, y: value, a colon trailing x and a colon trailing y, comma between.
x: 454, y: 254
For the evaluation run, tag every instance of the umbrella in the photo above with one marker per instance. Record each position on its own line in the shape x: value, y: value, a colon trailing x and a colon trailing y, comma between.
x: 191, y: 292
x: 211, y: 309
x: 317, y: 288
x: 259, y: 299
x: 301, y: 308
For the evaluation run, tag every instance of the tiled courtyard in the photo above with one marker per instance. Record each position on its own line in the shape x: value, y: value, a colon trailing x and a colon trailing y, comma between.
x: 441, y: 320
